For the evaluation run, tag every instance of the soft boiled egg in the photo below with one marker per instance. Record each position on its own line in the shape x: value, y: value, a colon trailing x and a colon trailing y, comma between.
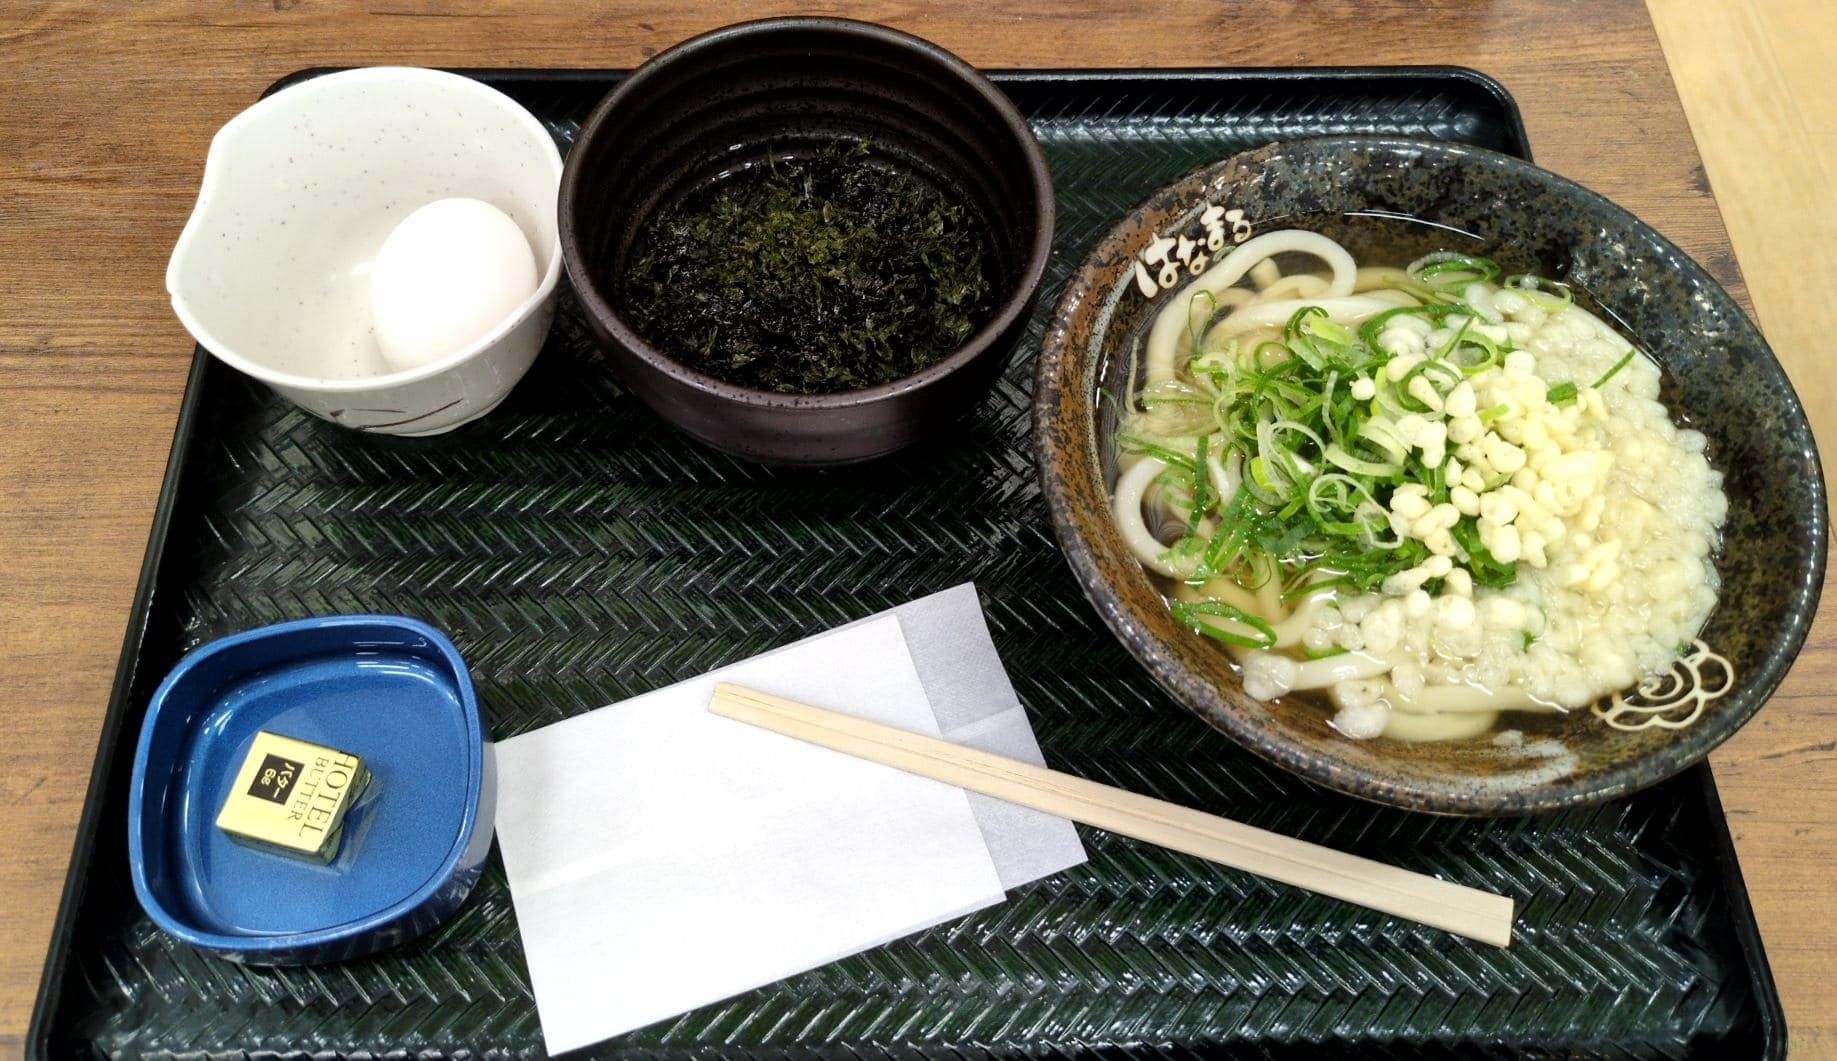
x: 447, y: 276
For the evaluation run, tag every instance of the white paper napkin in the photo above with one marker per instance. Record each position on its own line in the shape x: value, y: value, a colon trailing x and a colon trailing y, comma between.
x: 661, y: 858
x: 974, y: 704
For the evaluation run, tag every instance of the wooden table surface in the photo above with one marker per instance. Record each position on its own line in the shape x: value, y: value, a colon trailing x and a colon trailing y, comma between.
x: 105, y: 114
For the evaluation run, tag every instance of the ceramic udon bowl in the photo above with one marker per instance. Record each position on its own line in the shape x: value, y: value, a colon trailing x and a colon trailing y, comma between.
x: 1719, y: 377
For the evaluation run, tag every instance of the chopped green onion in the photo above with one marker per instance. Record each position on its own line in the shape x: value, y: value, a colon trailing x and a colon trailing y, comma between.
x: 1259, y: 471
x: 1491, y: 353
x: 1337, y: 455
x: 1315, y: 467
x: 1547, y: 295
x: 1262, y: 634
x: 1201, y: 501
x: 1383, y: 434
x: 1486, y: 570
x: 1171, y: 458
x: 1270, y: 344
x: 1438, y: 484
x: 1449, y: 375
x: 1368, y: 332
x: 1235, y: 526
x: 1447, y: 271
x: 1196, y: 321
x: 1618, y: 365
x: 1459, y: 334
x: 1293, y: 536
x: 1324, y: 327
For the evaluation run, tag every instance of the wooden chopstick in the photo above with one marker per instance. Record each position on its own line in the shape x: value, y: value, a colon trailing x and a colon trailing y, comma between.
x: 1467, y: 911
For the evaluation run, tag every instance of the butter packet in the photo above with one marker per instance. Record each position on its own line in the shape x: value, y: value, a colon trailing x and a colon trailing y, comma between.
x: 291, y: 796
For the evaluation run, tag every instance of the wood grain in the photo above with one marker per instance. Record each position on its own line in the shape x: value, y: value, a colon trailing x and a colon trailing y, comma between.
x: 1754, y: 77
x: 105, y: 114
x: 1774, y: 167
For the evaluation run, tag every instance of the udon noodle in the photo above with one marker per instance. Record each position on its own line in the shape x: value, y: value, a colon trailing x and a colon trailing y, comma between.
x: 1433, y: 494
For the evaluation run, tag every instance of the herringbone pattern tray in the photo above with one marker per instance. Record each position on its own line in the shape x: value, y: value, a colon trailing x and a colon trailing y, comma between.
x: 579, y: 552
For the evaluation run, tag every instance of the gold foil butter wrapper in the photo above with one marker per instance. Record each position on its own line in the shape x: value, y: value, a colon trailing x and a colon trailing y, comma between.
x: 291, y: 797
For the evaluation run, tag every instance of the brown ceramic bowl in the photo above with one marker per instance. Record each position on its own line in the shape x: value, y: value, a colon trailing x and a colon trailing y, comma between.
x: 1718, y: 375
x: 788, y: 86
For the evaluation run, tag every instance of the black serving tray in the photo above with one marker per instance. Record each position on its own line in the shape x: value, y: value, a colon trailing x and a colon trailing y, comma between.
x: 579, y: 552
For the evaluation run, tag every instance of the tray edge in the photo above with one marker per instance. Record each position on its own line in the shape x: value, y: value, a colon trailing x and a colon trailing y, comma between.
x: 1773, y: 1025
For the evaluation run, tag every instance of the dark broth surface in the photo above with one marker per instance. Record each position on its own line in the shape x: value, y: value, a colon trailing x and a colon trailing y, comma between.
x: 811, y: 275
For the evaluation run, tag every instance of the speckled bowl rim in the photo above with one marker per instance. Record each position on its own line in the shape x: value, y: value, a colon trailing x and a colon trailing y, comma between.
x: 1015, y: 302
x: 1063, y: 447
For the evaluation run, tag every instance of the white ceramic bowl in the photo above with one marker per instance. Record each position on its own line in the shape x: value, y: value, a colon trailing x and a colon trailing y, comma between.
x: 271, y: 274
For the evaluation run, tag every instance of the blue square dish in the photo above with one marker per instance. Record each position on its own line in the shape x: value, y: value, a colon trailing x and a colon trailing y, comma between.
x: 391, y: 690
